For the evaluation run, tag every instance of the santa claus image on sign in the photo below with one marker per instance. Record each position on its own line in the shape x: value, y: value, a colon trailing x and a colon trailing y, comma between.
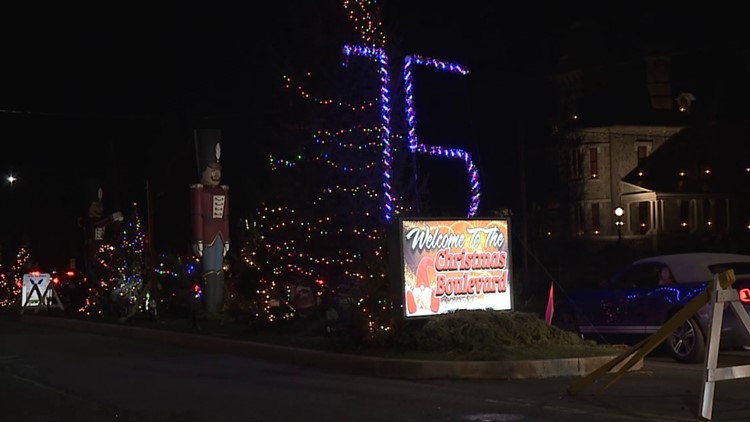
x: 422, y: 297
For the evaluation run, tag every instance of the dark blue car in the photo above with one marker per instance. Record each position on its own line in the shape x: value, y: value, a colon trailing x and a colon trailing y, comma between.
x: 638, y: 299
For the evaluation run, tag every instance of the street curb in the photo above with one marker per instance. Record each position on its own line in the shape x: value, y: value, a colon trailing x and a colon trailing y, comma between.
x: 347, y: 363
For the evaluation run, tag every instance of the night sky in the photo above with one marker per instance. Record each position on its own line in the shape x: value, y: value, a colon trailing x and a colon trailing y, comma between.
x: 109, y: 92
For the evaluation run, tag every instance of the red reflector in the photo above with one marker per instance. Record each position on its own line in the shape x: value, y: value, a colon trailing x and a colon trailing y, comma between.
x: 745, y: 295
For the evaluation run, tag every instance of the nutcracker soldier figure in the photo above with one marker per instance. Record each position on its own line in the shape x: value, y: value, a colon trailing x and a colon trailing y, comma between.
x: 209, y: 203
x: 94, y: 225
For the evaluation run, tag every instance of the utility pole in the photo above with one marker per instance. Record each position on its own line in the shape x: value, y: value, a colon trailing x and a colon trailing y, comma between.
x: 524, y: 209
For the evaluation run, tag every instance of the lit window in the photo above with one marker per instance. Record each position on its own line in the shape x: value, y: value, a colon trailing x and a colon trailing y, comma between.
x: 642, y: 152
x: 595, y: 217
x: 594, y: 162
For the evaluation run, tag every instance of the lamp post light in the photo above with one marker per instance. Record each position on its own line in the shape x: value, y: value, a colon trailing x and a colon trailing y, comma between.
x: 8, y: 238
x: 619, y: 212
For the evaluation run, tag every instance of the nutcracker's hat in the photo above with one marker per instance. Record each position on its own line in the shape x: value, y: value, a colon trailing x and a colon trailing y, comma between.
x: 93, y: 191
x: 208, y: 148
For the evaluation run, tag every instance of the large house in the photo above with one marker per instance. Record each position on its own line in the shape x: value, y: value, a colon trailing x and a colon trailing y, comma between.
x: 672, y: 186
x: 651, y: 154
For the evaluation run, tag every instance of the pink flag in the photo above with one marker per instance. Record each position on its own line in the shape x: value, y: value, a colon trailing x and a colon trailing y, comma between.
x: 550, y: 304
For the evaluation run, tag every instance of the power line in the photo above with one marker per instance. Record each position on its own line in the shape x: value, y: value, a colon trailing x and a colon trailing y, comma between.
x: 75, y: 115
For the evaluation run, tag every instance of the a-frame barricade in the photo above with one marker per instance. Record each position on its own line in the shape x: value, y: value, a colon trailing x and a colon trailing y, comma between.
x: 721, y: 296
x: 636, y: 353
x: 34, y: 284
x: 718, y: 292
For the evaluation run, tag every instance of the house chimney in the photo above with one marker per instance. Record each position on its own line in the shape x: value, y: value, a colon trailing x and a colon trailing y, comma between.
x: 659, y: 85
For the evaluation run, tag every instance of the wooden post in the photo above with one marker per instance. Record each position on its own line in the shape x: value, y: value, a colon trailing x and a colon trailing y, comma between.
x: 646, y: 346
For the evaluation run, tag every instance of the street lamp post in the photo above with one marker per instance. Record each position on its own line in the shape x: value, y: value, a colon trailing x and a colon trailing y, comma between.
x: 8, y: 238
x: 619, y: 212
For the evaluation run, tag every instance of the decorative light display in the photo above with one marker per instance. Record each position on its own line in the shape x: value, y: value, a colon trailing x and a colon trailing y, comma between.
x: 366, y: 23
x: 385, y: 117
x: 11, y: 282
x: 121, y: 264
x: 411, y: 117
x: 303, y: 93
x: 414, y: 146
x: 336, y: 236
x: 371, y: 35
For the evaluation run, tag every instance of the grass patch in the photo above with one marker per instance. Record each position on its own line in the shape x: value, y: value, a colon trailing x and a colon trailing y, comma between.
x: 458, y: 336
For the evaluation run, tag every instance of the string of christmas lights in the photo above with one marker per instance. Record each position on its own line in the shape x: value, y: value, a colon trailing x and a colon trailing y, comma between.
x: 11, y: 282
x: 120, y: 277
x: 435, y: 150
x: 365, y: 105
x: 337, y: 234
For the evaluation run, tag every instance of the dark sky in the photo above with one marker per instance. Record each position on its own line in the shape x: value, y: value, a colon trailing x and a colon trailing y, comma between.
x: 110, y: 91
x: 109, y: 94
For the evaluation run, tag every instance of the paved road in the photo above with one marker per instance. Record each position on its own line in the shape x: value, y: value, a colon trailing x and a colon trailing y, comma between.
x: 53, y: 374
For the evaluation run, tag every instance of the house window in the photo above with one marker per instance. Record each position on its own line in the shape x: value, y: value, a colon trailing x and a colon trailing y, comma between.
x: 685, y: 214
x: 576, y: 164
x: 644, y: 214
x: 593, y: 163
x: 708, y: 213
x: 578, y: 219
x: 642, y: 152
x: 720, y: 216
x: 595, y: 222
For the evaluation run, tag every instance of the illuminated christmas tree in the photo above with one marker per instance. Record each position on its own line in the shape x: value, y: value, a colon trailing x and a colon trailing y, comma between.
x: 349, y: 167
x: 11, y: 281
x: 325, y: 232
x: 121, y: 270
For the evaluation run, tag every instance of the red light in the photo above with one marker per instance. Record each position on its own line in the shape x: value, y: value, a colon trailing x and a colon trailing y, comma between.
x: 70, y: 273
x: 55, y: 280
x: 35, y: 273
x: 745, y: 295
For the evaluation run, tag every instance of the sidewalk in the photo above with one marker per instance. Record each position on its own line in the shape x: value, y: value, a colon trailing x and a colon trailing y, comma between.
x: 346, y: 363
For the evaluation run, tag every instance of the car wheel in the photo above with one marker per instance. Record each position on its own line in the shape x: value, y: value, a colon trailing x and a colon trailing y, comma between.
x: 687, y: 343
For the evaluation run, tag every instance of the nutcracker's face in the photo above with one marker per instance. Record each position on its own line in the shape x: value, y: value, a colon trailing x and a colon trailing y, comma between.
x: 211, y: 175
x: 96, y: 209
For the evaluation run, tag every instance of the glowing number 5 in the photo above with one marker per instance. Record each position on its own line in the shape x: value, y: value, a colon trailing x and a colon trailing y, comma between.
x: 414, y: 145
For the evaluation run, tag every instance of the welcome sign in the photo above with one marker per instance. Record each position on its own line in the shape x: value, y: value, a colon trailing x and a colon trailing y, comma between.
x: 450, y: 265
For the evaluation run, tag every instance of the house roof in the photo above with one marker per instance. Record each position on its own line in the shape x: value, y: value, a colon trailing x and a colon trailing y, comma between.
x: 710, y: 159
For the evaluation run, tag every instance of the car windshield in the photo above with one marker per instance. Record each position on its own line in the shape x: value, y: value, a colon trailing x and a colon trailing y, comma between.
x: 740, y: 268
x: 637, y: 275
